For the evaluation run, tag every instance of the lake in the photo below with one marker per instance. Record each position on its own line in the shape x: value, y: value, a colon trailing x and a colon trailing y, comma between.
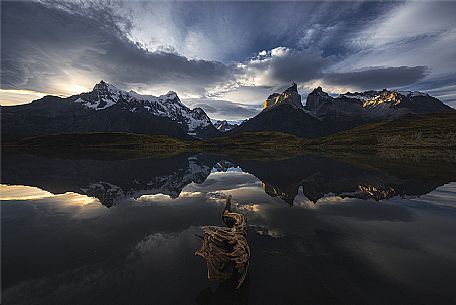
x: 320, y: 230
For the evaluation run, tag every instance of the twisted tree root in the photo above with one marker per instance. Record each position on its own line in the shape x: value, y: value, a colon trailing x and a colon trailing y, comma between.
x: 226, y: 249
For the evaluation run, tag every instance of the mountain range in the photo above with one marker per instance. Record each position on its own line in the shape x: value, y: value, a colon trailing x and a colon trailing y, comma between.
x: 315, y: 176
x: 224, y: 126
x: 111, y: 181
x: 324, y: 115
x: 109, y: 109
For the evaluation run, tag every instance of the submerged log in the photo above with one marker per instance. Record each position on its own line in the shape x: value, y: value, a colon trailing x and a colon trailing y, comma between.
x: 226, y: 249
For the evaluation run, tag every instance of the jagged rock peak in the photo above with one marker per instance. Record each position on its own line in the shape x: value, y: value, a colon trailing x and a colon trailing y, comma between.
x: 290, y: 96
x: 370, y: 105
x: 105, y: 95
x: 317, y: 100
x: 319, y: 91
x: 101, y: 85
x: 292, y: 88
x: 224, y: 125
x: 171, y: 94
x: 106, y: 90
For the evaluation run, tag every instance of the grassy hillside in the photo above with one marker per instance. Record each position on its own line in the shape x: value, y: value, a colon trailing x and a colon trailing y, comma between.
x: 428, y: 136
x: 428, y: 131
x: 121, y: 144
x: 269, y: 145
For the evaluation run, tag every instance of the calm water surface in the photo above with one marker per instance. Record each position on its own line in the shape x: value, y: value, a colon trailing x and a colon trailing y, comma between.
x: 320, y: 231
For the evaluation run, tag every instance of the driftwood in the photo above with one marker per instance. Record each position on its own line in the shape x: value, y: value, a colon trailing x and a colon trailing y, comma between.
x: 226, y: 249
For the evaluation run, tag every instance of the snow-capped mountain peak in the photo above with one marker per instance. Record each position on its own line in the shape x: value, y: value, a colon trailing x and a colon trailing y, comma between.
x: 384, y: 98
x: 103, y: 95
x: 171, y: 94
x: 372, y: 104
x: 224, y: 125
x: 390, y: 97
x: 107, y: 96
x: 413, y: 93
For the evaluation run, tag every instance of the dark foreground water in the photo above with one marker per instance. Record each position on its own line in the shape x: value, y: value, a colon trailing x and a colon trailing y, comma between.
x: 320, y: 231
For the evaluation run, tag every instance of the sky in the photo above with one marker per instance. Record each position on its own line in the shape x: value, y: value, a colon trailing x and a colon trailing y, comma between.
x: 226, y: 57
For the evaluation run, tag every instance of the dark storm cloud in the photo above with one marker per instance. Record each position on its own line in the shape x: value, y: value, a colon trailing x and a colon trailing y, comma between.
x: 284, y: 65
x: 378, y: 77
x: 139, y: 66
x: 237, y: 30
x: 209, y: 49
x: 41, y: 44
x: 299, y: 67
x: 223, y: 108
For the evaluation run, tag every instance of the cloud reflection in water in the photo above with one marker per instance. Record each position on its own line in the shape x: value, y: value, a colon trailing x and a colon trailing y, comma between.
x: 141, y: 249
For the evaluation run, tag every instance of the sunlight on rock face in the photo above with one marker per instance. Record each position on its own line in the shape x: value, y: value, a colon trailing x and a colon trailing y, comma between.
x: 289, y: 96
x: 385, y: 96
x: 226, y: 249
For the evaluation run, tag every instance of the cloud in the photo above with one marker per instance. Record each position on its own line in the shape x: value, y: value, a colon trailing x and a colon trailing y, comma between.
x: 18, y: 97
x: 284, y: 65
x: 223, y: 109
x: 229, y: 31
x: 378, y: 77
x: 405, y: 23
x: 238, y: 52
x: 49, y: 49
x: 415, y: 33
x: 444, y: 88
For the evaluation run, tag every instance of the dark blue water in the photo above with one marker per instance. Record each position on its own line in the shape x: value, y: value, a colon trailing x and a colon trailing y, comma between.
x: 320, y: 231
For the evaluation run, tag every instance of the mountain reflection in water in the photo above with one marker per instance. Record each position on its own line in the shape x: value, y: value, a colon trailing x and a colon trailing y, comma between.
x: 112, y: 181
x: 124, y: 231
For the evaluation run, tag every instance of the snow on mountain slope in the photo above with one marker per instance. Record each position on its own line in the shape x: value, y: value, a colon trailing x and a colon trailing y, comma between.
x: 105, y: 95
x: 373, y: 98
x: 170, y: 184
x: 224, y: 125
x: 372, y: 104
